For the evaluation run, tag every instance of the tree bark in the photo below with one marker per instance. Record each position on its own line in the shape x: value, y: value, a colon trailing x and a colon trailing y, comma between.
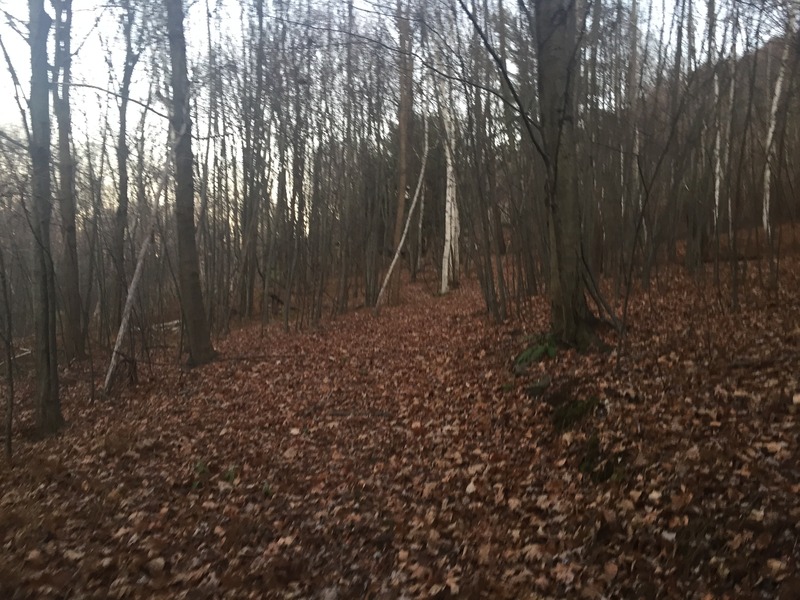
x: 399, y: 248
x: 74, y: 347
x: 119, y: 283
x: 48, y: 403
x: 558, y: 72
x: 404, y: 116
x: 773, y: 121
x: 450, y: 258
x: 126, y: 312
x: 194, y: 315
x: 8, y: 337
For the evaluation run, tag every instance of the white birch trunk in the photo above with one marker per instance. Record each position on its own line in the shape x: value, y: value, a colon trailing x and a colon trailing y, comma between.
x: 773, y: 118
x: 450, y: 256
x: 443, y: 286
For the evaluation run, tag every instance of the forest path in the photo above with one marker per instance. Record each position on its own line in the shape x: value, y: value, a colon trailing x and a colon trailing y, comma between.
x: 398, y: 456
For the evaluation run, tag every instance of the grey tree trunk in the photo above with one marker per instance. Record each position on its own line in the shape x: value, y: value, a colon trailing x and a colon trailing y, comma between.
x: 48, y: 403
x: 74, y: 346
x: 8, y: 337
x: 558, y: 72
x: 399, y: 248
x: 194, y: 315
x: 404, y: 116
x: 119, y: 283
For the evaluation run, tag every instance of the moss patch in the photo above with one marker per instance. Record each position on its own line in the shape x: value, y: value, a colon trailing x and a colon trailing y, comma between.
x: 539, y: 387
x: 566, y: 415
x: 539, y: 348
x: 599, y: 467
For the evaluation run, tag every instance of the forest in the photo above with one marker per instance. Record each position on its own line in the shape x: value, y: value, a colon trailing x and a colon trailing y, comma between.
x: 400, y: 299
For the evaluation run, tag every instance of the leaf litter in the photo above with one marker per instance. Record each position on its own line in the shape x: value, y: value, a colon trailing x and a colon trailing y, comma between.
x: 400, y: 456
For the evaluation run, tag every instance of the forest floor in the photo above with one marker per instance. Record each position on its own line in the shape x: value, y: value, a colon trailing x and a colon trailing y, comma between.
x: 406, y: 456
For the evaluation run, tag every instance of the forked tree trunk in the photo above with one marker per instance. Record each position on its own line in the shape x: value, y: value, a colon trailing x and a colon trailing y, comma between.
x: 558, y: 71
x: 197, y: 332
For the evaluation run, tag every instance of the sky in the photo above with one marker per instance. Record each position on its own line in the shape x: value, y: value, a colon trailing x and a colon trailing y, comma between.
x: 88, y: 66
x: 96, y: 41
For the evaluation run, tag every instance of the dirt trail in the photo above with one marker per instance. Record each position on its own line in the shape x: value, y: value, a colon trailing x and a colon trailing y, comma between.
x: 399, y: 457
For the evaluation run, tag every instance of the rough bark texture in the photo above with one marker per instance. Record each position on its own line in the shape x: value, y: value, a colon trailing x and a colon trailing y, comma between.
x: 417, y: 193
x: 74, y: 347
x: 404, y: 113
x: 197, y: 330
x: 8, y: 332
x: 773, y: 122
x: 119, y: 283
x: 126, y: 312
x: 558, y: 70
x: 48, y: 404
x: 450, y: 258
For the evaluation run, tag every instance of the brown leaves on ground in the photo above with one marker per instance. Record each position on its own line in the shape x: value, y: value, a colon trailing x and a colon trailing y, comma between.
x: 399, y: 457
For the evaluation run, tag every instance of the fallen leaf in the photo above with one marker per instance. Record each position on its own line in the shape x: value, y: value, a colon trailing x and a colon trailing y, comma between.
x: 155, y: 566
x: 73, y: 555
x: 775, y: 566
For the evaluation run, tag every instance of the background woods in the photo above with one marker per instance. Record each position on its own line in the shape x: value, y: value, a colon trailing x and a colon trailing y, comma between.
x: 295, y: 297
x: 571, y: 148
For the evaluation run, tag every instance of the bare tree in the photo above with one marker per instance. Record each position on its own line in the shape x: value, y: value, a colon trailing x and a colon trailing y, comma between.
x: 558, y: 71
x: 450, y: 254
x: 773, y: 119
x: 48, y: 406
x: 133, y: 50
x: 69, y: 282
x: 8, y: 346
x: 404, y: 117
x: 191, y: 295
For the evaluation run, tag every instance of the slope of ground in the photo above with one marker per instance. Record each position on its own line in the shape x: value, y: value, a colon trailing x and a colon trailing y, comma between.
x: 400, y: 456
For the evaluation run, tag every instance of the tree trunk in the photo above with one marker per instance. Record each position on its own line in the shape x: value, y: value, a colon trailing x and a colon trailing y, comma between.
x: 404, y: 116
x: 119, y: 282
x: 450, y: 259
x: 74, y: 347
x: 8, y: 346
x: 194, y: 315
x: 399, y: 248
x: 773, y: 121
x: 48, y: 403
x: 558, y: 72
